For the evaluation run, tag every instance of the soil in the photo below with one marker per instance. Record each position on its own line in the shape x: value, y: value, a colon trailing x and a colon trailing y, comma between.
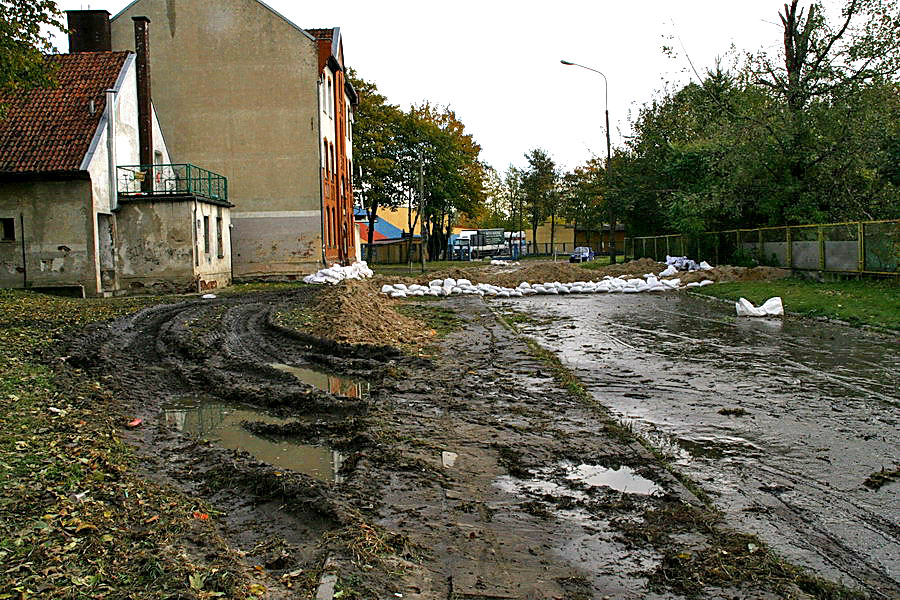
x: 481, y: 472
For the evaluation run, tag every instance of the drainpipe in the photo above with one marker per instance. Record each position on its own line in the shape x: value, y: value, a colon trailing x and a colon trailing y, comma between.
x: 24, y: 261
x: 319, y: 85
x: 111, y: 149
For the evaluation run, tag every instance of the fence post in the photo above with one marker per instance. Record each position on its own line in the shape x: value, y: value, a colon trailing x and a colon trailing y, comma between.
x: 790, y: 248
x: 655, y: 251
x: 821, y: 233
x: 861, y: 246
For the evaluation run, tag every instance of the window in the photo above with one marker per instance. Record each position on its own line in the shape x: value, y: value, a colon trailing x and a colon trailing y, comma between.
x: 206, y: 234
x: 220, y: 245
x: 330, y: 99
x: 7, y: 229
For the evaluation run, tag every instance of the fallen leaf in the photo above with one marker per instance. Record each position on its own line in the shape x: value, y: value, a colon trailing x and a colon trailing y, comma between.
x: 151, y: 519
x: 134, y: 423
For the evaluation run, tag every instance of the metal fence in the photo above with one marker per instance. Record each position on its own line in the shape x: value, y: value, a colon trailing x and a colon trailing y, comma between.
x: 172, y: 179
x: 871, y: 247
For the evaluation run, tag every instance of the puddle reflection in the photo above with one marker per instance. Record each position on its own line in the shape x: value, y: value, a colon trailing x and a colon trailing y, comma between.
x: 221, y: 424
x: 623, y: 479
x: 333, y: 384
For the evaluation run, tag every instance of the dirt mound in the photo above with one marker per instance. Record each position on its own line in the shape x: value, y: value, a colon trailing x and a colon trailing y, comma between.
x: 725, y: 273
x: 355, y: 312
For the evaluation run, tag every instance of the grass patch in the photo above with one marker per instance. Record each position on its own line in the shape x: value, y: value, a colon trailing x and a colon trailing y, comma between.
x: 881, y: 478
x: 726, y: 559
x: 862, y: 302
x: 440, y: 318
x: 76, y: 520
x: 733, y: 412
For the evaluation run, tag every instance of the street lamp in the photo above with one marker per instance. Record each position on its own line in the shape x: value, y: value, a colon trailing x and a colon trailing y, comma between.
x: 612, y: 233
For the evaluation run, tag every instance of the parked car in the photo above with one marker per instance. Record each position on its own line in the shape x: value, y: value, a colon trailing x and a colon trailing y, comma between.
x: 581, y: 254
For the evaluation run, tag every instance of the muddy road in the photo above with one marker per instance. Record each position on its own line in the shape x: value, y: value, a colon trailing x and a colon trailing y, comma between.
x: 781, y: 421
x: 476, y: 471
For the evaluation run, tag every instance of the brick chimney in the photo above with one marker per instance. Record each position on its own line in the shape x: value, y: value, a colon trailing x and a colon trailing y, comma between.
x: 145, y: 114
x: 89, y: 31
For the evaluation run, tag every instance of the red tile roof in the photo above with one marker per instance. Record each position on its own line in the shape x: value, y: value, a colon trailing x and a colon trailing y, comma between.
x: 52, y: 129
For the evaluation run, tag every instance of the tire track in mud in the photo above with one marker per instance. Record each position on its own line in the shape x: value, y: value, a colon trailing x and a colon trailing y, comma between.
x: 458, y: 467
x: 223, y: 350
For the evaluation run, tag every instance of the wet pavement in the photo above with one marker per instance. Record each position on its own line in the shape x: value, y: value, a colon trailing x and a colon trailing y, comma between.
x: 780, y: 421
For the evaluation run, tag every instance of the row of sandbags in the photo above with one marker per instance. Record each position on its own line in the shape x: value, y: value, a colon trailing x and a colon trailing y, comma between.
x: 336, y: 273
x: 450, y: 286
x: 674, y: 264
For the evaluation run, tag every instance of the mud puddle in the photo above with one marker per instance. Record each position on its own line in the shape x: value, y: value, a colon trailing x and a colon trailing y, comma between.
x: 576, y: 481
x: 222, y: 424
x: 781, y: 420
x: 327, y: 382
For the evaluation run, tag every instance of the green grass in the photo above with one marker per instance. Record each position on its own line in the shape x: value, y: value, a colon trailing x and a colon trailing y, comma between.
x: 600, y: 262
x: 443, y: 320
x: 862, y: 302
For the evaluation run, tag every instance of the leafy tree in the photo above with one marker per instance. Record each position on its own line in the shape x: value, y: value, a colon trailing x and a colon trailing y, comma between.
x: 539, y: 185
x: 376, y: 151
x: 24, y: 37
x: 454, y: 177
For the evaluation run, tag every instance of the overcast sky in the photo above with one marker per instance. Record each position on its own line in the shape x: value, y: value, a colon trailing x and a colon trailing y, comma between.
x: 496, y: 62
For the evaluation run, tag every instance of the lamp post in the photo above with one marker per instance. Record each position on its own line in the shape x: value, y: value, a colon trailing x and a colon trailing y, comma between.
x: 612, y: 226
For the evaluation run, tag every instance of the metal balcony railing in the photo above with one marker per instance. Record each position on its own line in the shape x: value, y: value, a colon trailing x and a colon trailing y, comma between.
x: 171, y: 179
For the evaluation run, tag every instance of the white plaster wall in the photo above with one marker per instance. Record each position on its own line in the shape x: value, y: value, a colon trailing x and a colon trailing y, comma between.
x: 210, y: 265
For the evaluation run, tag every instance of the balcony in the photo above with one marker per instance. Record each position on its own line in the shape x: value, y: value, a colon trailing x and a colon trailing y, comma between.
x: 137, y: 181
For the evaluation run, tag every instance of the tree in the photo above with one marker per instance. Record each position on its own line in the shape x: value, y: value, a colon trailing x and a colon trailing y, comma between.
x: 816, y: 79
x: 376, y: 151
x: 454, y: 177
x: 539, y: 183
x: 24, y: 38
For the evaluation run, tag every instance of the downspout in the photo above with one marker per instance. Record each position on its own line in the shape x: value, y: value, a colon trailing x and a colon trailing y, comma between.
x: 321, y: 181
x: 111, y: 149
x: 24, y: 261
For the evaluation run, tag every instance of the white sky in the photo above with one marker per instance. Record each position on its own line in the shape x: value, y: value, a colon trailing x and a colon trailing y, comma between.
x: 496, y: 62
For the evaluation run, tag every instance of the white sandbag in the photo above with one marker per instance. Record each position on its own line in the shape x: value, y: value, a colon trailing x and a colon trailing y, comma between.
x: 629, y: 290
x: 705, y: 266
x: 672, y: 283
x: 387, y: 289
x: 450, y: 282
x: 400, y: 286
x: 563, y: 289
x: 417, y: 293
x: 530, y: 292
x: 503, y: 294
x: 669, y: 271
x: 436, y: 283
x: 772, y: 307
x: 433, y: 292
x: 456, y: 290
x: 398, y: 294
x: 706, y: 282
x: 524, y: 285
x: 693, y: 284
x: 463, y: 282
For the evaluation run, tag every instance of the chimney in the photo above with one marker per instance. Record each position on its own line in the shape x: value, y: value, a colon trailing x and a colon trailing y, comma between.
x: 145, y: 114
x: 89, y: 31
